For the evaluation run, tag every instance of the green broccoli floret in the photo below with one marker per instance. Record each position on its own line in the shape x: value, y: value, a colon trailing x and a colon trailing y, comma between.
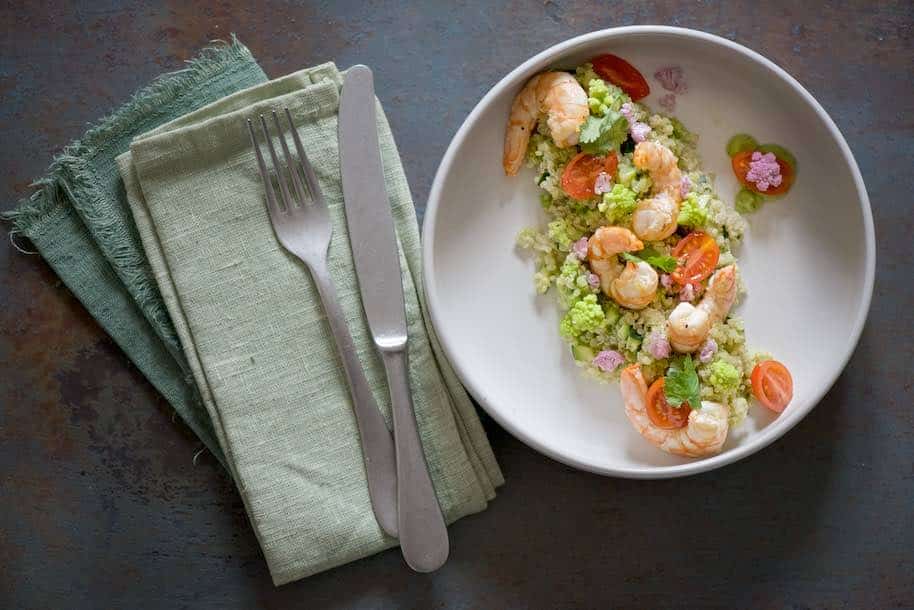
x: 618, y: 203
x: 692, y: 213
x: 585, y: 316
x: 724, y: 376
x: 562, y: 234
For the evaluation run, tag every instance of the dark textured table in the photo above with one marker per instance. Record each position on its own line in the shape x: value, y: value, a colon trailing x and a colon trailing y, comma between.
x: 102, y: 506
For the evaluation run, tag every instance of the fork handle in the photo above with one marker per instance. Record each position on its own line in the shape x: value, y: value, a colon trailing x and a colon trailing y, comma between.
x: 377, y: 443
x: 423, y: 534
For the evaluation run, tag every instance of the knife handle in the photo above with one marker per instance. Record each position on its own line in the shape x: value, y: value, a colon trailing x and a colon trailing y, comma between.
x: 423, y: 534
x: 377, y: 443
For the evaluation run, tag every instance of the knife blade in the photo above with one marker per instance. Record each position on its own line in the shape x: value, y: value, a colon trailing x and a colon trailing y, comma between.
x: 422, y: 532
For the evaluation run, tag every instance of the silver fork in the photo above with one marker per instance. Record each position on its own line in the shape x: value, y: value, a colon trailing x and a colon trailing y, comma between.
x: 302, y: 225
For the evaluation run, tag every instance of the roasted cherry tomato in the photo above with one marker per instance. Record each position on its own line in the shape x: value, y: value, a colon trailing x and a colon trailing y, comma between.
x: 772, y: 384
x: 661, y: 413
x: 740, y: 162
x: 622, y: 74
x: 582, y: 171
x: 697, y: 255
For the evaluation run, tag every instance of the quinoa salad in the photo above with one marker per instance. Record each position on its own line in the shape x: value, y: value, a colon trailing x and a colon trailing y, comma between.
x: 641, y: 253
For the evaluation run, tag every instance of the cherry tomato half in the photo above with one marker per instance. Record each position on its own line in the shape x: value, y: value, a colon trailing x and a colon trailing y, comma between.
x: 581, y: 172
x: 661, y: 413
x: 697, y: 254
x: 740, y: 162
x: 772, y: 384
x: 622, y: 74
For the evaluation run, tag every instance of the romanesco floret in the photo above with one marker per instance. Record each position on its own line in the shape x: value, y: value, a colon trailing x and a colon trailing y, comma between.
x: 571, y: 281
x: 618, y: 203
x: 562, y: 234
x: 692, y: 213
x: 603, y: 97
x: 585, y: 73
x: 724, y: 376
x: 586, y: 315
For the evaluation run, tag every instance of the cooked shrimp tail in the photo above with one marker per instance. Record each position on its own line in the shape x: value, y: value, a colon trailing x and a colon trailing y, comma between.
x: 561, y: 98
x: 663, y: 166
x: 704, y: 434
x: 688, y: 325
x: 633, y: 285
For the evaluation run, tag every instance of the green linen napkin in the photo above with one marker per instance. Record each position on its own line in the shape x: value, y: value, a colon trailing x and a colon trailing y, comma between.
x: 79, y: 221
x: 253, y: 330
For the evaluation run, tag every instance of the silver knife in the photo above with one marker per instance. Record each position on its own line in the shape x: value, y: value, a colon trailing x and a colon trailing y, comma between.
x: 422, y: 532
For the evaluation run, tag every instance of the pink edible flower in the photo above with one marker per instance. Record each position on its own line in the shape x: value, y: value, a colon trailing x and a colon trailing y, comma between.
x: 764, y: 170
x: 707, y: 350
x: 607, y: 360
x: 685, y: 185
x: 593, y: 280
x: 672, y: 79
x: 639, y: 131
x: 687, y: 293
x: 668, y: 102
x: 579, y: 248
x: 658, y: 345
x: 628, y: 111
x: 666, y: 281
x: 603, y: 183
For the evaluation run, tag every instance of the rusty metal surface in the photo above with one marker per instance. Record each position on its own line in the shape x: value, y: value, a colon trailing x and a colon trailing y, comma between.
x: 102, y: 506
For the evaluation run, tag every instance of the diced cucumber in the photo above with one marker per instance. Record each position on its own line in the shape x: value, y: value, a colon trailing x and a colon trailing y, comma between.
x: 622, y: 332
x: 781, y: 153
x: 741, y: 142
x: 747, y: 201
x: 582, y: 353
x: 612, y: 315
x: 627, y: 173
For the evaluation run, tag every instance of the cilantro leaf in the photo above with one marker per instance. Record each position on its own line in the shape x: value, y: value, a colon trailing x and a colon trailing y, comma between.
x: 661, y: 261
x: 653, y: 258
x: 591, y: 130
x: 600, y: 135
x: 682, y: 385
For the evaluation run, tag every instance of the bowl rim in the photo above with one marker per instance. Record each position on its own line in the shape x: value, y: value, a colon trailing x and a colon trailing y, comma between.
x: 767, y: 435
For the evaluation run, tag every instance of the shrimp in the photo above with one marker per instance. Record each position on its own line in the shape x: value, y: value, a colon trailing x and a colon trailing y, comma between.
x: 688, y: 326
x: 662, y: 165
x: 602, y: 248
x: 704, y: 434
x: 636, y: 286
x: 561, y: 98
x: 656, y: 218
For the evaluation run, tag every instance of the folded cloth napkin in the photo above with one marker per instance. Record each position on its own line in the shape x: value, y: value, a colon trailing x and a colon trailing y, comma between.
x: 79, y: 221
x: 255, y: 335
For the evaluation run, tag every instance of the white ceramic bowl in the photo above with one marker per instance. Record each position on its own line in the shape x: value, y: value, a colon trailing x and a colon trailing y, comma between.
x: 808, y: 260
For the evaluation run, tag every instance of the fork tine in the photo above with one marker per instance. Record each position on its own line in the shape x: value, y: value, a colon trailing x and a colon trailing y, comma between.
x: 272, y: 205
x: 284, y: 191
x: 310, y: 176
x: 290, y: 163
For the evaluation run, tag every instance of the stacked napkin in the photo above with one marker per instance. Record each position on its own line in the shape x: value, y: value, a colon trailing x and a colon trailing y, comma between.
x: 241, y: 317
x: 79, y: 220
